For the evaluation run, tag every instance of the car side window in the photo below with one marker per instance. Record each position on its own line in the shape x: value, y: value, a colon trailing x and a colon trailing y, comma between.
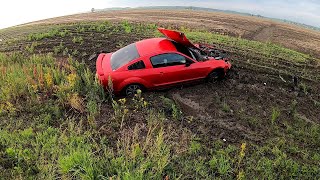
x: 137, y: 65
x: 170, y: 59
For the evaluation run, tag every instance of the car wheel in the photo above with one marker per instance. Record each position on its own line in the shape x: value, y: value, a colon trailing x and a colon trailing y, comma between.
x: 215, y: 76
x: 132, y: 89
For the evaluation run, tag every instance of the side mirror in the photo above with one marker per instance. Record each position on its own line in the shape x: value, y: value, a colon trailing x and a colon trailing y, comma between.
x: 188, y: 64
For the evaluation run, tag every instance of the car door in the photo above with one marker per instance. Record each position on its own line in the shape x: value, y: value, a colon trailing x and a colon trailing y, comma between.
x: 194, y: 69
x: 170, y: 67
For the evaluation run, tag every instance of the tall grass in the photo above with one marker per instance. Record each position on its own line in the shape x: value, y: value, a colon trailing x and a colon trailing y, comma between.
x: 40, y: 78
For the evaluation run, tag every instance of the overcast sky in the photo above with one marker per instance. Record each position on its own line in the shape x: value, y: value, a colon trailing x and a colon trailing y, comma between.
x: 14, y: 12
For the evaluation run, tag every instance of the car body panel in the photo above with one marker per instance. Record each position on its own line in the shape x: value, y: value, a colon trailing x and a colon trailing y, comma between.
x: 176, y: 36
x: 157, y: 45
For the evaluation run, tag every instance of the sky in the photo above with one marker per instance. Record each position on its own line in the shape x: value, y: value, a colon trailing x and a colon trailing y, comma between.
x: 14, y: 12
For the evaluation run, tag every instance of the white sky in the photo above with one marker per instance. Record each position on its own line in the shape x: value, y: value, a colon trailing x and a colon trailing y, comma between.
x: 14, y: 12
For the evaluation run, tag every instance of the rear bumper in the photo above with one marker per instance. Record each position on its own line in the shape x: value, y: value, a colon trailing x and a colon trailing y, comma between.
x: 100, y: 73
x: 103, y: 68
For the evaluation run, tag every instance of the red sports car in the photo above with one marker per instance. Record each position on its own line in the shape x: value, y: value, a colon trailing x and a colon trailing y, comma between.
x: 159, y: 63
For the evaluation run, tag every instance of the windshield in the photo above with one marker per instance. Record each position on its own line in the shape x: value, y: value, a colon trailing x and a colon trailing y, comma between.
x: 123, y: 56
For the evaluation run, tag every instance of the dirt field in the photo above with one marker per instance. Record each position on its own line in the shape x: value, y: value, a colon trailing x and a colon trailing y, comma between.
x: 257, y: 103
x: 252, y: 28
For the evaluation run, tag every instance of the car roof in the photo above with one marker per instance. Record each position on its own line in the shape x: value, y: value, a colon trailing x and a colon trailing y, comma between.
x: 153, y: 45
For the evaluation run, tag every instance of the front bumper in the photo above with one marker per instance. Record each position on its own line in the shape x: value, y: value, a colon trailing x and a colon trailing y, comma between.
x: 228, y: 66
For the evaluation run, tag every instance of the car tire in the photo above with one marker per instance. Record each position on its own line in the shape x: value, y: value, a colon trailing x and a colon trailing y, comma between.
x: 216, y: 75
x: 132, y: 89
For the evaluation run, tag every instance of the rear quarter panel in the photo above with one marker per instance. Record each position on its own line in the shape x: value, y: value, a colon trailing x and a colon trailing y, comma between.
x: 125, y: 78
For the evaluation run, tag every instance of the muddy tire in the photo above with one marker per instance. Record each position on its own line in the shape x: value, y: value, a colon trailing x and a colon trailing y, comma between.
x: 132, y: 89
x: 216, y: 75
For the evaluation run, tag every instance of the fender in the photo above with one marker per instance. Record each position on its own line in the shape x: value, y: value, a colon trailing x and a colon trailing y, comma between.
x: 219, y: 64
x: 133, y: 80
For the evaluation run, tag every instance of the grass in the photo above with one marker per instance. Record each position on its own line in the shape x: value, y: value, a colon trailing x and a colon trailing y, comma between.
x: 56, y: 122
x: 58, y: 49
x: 30, y: 48
x: 171, y: 108
x: 40, y: 36
x: 78, y: 40
x: 225, y: 107
x: 275, y: 115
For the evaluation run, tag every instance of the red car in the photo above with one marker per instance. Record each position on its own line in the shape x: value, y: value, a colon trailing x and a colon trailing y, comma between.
x: 159, y: 63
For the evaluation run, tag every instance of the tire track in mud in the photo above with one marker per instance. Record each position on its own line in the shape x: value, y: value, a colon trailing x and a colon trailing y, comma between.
x: 263, y: 33
x: 212, y: 125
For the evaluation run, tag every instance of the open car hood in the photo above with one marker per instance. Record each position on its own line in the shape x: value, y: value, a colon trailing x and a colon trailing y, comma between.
x: 178, y: 37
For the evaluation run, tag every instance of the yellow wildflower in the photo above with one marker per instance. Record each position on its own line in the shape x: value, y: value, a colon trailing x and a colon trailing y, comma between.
x: 145, y: 103
x: 72, y: 79
x: 123, y: 101
x: 48, y: 78
x: 243, y: 148
x: 76, y: 102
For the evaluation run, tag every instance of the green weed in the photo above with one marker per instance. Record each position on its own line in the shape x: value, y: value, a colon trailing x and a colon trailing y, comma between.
x: 78, y: 40
x: 75, y: 53
x: 58, y: 49
x: 126, y: 26
x: 275, y: 115
x: 64, y: 33
x: 80, y: 29
x: 225, y: 107
x: 120, y: 111
x: 65, y: 51
x: 171, y: 108
x: 195, y: 147
x: 139, y: 102
x: 304, y: 88
x: 30, y: 48
x: 40, y: 36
